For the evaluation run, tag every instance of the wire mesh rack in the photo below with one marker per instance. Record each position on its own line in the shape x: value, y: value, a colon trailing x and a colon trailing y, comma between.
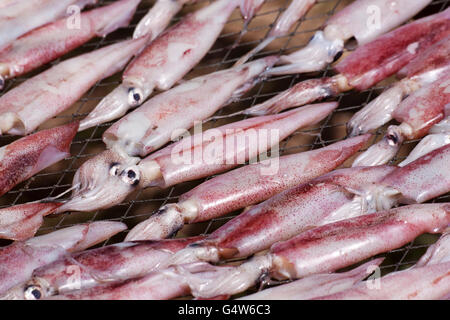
x: 236, y: 39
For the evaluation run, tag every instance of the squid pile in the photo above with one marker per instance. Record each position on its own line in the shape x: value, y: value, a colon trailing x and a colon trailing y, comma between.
x: 166, y: 60
x: 314, y: 251
x: 366, y: 66
x: 55, y: 39
x: 245, y: 208
x: 61, y: 86
x: 109, y: 178
x: 363, y: 20
x: 428, y: 279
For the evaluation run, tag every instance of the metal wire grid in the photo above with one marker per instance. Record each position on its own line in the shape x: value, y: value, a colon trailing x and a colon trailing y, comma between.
x: 236, y: 39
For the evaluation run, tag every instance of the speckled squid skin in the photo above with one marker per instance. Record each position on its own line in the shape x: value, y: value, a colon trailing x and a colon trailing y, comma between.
x: 167, y: 59
x: 17, y: 18
x: 344, y: 243
x: 423, y: 283
x: 375, y: 61
x: 353, y: 20
x: 424, y: 108
x: 53, y: 40
x: 22, y: 221
x: 60, y: 86
x: 18, y: 260
x: 25, y: 157
x: 249, y: 185
x: 221, y: 159
x: 293, y: 211
x: 113, y: 263
x: 424, y: 178
x: 156, y: 122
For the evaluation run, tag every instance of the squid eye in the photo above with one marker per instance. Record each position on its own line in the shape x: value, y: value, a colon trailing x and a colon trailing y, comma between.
x: 114, y: 169
x: 33, y: 293
x: 134, y: 96
x: 131, y: 176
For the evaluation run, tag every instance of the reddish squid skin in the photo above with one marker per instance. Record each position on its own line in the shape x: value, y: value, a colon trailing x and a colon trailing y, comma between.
x: 426, y: 107
x: 424, y: 178
x: 248, y: 185
x: 250, y: 7
x: 117, y: 262
x: 424, y: 283
x: 284, y: 124
x: 431, y: 59
x: 167, y: 59
x: 27, y: 156
x: 344, y: 243
x: 18, y: 260
x: 290, y: 213
x: 22, y: 221
x: 384, y: 56
x: 53, y: 40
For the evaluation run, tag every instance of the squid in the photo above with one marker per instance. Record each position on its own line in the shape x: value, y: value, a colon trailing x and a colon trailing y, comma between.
x: 113, y: 263
x: 53, y: 40
x: 107, y: 179
x: 61, y: 86
x: 22, y: 221
x: 367, y: 65
x: 417, y: 114
x: 168, y: 58
x: 317, y: 285
x: 243, y: 187
x: 27, y: 156
x: 428, y: 279
x: 338, y: 195
x: 439, y: 135
x: 20, y: 259
x: 19, y: 17
x: 363, y: 20
x: 426, y: 68
x: 318, y: 250
x: 158, y: 18
x: 155, y: 123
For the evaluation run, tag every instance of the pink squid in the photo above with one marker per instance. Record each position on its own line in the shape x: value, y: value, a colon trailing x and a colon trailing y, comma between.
x: 243, y: 187
x: 19, y: 17
x: 296, y: 10
x: 20, y: 259
x: 113, y: 263
x: 155, y: 123
x: 367, y: 65
x: 22, y: 221
x: 338, y: 195
x: 318, y: 250
x: 426, y: 68
x: 27, y: 156
x: 55, y: 39
x: 107, y: 179
x: 428, y: 279
x: 168, y: 58
x: 417, y: 114
x: 60, y: 86
x: 250, y: 7
x: 364, y: 20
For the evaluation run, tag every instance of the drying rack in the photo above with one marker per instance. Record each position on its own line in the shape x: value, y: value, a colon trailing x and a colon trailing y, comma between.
x: 235, y: 40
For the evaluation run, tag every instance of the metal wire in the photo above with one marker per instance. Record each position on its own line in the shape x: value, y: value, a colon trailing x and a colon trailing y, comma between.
x: 236, y: 39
